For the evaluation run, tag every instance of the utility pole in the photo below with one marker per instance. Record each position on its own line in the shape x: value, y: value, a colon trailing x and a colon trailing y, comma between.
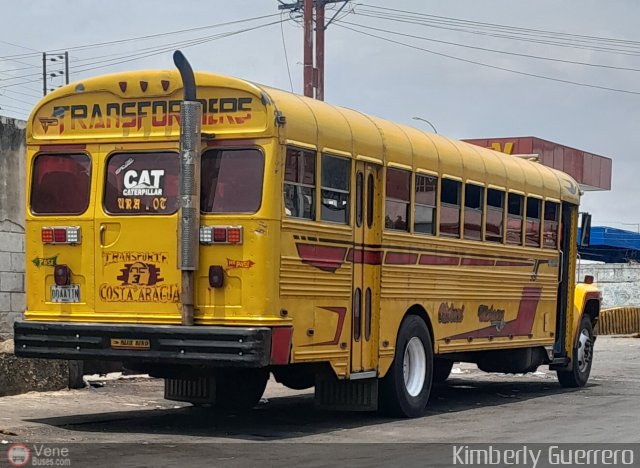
x: 54, y: 58
x: 308, y: 49
x: 320, y: 27
x: 44, y: 73
x: 313, y: 73
x: 66, y: 67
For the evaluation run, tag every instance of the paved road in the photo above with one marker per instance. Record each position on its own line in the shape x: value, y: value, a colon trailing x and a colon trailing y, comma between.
x: 471, y: 406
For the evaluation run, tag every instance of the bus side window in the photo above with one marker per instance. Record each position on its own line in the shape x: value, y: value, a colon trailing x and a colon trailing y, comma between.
x: 550, y: 231
x: 450, y: 208
x: 494, y: 224
x: 398, y: 200
x: 532, y: 233
x: 473, y: 207
x: 335, y: 176
x: 514, y: 219
x: 300, y: 184
x: 424, y: 219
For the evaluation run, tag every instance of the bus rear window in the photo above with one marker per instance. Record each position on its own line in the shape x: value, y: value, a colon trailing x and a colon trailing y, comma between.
x: 60, y: 184
x: 231, y: 181
x: 142, y: 183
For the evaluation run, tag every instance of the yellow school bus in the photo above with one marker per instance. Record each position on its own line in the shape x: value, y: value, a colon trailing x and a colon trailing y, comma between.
x: 330, y: 248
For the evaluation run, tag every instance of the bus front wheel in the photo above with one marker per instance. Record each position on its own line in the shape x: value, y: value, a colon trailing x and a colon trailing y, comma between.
x: 405, y: 390
x: 577, y: 373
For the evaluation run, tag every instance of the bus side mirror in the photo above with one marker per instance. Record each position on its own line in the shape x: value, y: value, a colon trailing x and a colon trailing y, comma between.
x: 585, y: 230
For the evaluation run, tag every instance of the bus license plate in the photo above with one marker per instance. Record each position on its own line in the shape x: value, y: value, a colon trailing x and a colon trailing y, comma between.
x: 65, y: 293
x: 127, y: 343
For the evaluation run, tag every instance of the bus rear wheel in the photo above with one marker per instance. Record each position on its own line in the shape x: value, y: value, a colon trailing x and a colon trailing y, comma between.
x: 577, y: 373
x: 404, y: 391
x: 239, y: 389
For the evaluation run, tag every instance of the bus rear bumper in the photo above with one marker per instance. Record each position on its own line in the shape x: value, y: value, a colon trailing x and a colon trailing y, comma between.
x: 162, y: 344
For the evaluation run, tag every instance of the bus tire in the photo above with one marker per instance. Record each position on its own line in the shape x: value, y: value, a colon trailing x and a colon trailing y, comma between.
x: 239, y: 389
x: 441, y: 369
x: 577, y: 373
x: 404, y: 391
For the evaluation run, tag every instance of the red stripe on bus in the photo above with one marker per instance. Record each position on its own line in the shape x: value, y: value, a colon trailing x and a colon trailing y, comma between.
x: 477, y: 262
x: 397, y: 258
x: 510, y: 263
x: 369, y: 257
x: 438, y: 260
x: 323, y: 257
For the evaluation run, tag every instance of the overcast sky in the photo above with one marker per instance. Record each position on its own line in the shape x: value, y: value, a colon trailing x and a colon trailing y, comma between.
x: 388, y: 80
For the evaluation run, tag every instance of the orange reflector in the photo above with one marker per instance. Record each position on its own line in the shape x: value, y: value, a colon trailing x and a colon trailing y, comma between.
x: 588, y: 279
x: 47, y: 235
x: 234, y: 235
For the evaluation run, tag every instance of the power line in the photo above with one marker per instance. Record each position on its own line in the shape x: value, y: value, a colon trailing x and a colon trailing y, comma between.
x: 21, y: 93
x: 19, y: 46
x: 139, y: 55
x: 504, y: 35
x: 495, y: 67
x: 514, y: 29
x: 284, y: 47
x: 171, y: 47
x: 145, y: 37
x: 16, y: 99
x: 486, y: 49
x: 22, y: 109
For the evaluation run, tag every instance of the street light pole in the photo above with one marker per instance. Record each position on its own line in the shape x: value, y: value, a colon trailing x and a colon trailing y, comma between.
x: 426, y: 121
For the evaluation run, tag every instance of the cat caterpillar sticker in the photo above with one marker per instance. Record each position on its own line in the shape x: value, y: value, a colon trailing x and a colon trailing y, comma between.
x: 146, y: 183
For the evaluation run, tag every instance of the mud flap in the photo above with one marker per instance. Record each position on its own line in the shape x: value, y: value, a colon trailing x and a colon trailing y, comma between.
x: 197, y: 390
x: 346, y: 395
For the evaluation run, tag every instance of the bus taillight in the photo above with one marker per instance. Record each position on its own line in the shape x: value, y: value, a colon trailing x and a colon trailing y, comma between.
x: 220, y: 235
x: 60, y: 235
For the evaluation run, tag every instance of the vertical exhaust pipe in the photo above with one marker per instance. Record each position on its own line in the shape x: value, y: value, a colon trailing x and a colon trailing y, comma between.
x: 188, y: 230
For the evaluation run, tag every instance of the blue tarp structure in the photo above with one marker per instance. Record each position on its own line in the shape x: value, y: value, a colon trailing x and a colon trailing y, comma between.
x: 612, y: 245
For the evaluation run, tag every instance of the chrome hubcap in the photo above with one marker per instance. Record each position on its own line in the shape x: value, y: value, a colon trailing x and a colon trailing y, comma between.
x: 414, y: 366
x: 585, y: 350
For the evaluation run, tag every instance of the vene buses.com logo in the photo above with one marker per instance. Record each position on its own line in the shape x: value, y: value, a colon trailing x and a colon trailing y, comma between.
x: 18, y: 455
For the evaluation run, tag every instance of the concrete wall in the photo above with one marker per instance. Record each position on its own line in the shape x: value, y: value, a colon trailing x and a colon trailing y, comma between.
x: 619, y: 282
x: 12, y: 208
